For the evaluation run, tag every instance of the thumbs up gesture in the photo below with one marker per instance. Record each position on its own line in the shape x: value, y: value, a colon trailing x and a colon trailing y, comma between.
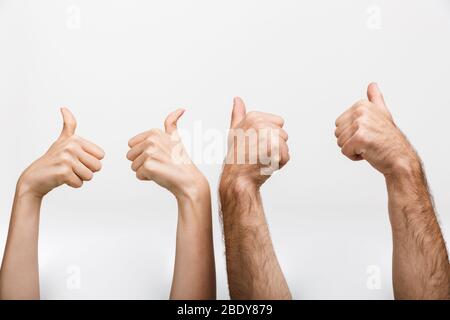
x: 257, y: 146
x: 70, y: 160
x: 160, y: 156
x: 367, y: 131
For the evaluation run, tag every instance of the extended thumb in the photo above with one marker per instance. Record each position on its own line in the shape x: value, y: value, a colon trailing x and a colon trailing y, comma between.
x: 170, y: 124
x: 239, y: 112
x: 375, y: 96
x: 70, y: 123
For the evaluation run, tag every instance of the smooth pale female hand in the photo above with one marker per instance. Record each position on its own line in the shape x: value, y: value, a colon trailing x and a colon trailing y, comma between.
x: 161, y: 157
x: 70, y: 160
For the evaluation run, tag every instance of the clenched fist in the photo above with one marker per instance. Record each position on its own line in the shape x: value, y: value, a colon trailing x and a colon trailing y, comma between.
x: 257, y: 147
x: 367, y: 131
x: 70, y: 160
x: 161, y: 157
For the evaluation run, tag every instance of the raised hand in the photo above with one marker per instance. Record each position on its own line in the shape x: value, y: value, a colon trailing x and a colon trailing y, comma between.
x: 420, y: 266
x: 257, y: 146
x: 70, y: 160
x: 160, y: 156
x: 367, y: 131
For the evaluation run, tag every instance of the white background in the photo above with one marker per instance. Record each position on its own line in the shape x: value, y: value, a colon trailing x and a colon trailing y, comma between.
x: 127, y: 64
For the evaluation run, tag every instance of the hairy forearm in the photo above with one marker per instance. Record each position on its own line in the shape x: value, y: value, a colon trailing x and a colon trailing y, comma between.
x: 253, y: 268
x: 194, y: 275
x: 19, y: 275
x: 420, y: 260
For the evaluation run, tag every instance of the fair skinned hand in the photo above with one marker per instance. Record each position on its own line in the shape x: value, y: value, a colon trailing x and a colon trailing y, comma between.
x: 257, y: 147
x: 160, y: 156
x: 70, y: 160
x: 367, y: 131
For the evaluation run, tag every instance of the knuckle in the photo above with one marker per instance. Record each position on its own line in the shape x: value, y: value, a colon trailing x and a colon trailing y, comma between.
x: 151, y: 141
x: 361, y: 137
x: 65, y: 159
x: 71, y: 147
x: 64, y: 173
x: 360, y: 110
x: 155, y: 132
x: 358, y: 123
x: 360, y: 103
x: 149, y: 153
x: 148, y: 166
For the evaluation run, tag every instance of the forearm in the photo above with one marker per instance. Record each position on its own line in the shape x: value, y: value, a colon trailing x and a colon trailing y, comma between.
x: 420, y: 261
x: 194, y: 275
x: 19, y: 274
x: 253, y: 268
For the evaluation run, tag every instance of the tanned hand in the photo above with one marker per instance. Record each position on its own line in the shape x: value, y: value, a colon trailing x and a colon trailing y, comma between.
x: 367, y: 131
x: 252, y: 265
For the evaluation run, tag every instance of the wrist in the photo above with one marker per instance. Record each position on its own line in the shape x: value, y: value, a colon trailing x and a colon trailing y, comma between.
x: 26, y: 206
x: 404, y: 170
x: 241, y: 204
x: 409, y: 197
x: 235, y: 183
x: 24, y: 190
x: 196, y: 191
x: 194, y: 206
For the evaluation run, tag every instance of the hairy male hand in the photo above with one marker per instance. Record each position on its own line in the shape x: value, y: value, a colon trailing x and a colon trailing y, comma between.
x: 257, y: 147
x: 367, y: 131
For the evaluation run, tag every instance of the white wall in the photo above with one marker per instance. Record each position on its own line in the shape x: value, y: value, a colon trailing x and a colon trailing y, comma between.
x: 129, y: 63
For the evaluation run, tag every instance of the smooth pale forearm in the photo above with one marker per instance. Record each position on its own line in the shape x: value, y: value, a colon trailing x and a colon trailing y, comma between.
x: 194, y: 275
x: 253, y: 268
x: 19, y: 275
x: 70, y: 160
x: 420, y: 260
